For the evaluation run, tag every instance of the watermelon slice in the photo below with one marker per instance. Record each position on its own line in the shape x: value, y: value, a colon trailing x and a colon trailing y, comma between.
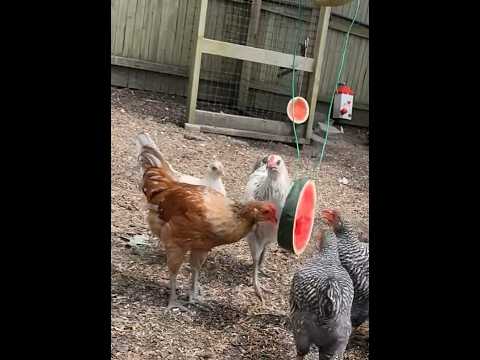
x: 298, y: 214
x: 298, y: 110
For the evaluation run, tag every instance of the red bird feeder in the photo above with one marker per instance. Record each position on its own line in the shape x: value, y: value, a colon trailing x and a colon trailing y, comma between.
x: 343, y: 103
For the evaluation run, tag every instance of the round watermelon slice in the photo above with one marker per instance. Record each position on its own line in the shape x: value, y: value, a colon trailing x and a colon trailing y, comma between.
x: 298, y: 214
x: 298, y: 110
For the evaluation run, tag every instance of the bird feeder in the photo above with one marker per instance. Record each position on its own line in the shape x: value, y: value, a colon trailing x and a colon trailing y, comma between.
x: 343, y: 103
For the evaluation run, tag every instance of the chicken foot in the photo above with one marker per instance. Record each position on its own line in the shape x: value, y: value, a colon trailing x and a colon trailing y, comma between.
x: 173, y: 302
x: 197, y: 259
x: 259, y: 290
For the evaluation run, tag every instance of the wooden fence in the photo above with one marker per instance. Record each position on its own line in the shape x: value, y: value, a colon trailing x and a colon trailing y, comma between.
x: 152, y: 41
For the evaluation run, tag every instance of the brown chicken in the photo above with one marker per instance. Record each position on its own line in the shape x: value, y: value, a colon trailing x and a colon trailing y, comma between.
x: 194, y: 218
x: 213, y: 177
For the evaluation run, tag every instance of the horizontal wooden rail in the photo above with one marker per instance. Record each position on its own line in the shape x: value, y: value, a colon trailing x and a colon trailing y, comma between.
x: 149, y: 66
x: 183, y: 72
x: 253, y: 54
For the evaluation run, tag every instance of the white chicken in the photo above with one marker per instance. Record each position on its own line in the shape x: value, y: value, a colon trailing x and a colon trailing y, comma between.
x: 269, y: 181
x: 212, y: 179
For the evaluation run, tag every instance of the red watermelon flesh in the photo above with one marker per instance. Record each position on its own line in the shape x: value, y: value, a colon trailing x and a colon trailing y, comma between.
x: 297, y: 110
x: 298, y: 215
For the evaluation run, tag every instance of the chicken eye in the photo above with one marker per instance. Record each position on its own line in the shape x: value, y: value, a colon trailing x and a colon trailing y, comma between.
x: 214, y: 168
x: 278, y: 162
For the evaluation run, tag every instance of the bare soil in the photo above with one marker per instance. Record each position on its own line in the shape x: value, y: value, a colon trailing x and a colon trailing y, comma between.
x: 239, y: 326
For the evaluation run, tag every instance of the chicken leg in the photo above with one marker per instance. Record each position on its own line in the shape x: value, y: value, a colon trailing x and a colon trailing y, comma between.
x: 261, y: 268
x: 175, y: 257
x: 257, y: 249
x: 197, y: 258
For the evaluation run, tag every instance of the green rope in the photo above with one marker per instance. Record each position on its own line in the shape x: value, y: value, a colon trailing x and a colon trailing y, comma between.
x: 293, y: 79
x: 347, y: 36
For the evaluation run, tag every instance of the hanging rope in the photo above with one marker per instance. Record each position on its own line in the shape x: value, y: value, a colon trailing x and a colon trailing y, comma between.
x: 293, y: 78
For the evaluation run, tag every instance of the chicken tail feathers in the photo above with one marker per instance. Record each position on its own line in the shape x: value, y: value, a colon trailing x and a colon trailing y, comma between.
x: 148, y: 153
x: 156, y: 180
x: 330, y: 299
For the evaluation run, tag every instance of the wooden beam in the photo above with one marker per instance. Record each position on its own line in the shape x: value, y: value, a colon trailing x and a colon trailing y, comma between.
x: 341, y: 24
x: 240, y: 122
x: 176, y: 70
x: 149, y: 66
x: 349, y: 19
x: 255, y: 12
x: 261, y: 56
x: 119, y: 76
x: 196, y: 63
x: 320, y: 42
x: 182, y: 71
x: 304, y: 4
x: 246, y: 133
x: 289, y: 12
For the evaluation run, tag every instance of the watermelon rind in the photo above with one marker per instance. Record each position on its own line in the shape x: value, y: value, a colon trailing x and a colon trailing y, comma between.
x: 286, y: 225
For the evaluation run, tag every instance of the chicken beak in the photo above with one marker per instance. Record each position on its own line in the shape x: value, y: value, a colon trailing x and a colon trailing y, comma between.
x: 271, y: 163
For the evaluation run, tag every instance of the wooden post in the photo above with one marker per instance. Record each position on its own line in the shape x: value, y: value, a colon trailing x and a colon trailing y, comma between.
x: 253, y: 25
x: 320, y: 42
x: 310, y: 30
x: 196, y: 63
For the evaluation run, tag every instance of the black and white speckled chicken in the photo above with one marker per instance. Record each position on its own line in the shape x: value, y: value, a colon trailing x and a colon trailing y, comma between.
x: 320, y: 302
x: 269, y: 181
x: 354, y: 257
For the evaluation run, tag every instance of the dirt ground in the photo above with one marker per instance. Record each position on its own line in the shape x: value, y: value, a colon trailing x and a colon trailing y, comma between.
x: 239, y: 326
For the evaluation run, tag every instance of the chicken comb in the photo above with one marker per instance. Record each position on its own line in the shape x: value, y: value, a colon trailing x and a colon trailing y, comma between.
x: 329, y: 214
x: 272, y: 207
x: 272, y: 158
